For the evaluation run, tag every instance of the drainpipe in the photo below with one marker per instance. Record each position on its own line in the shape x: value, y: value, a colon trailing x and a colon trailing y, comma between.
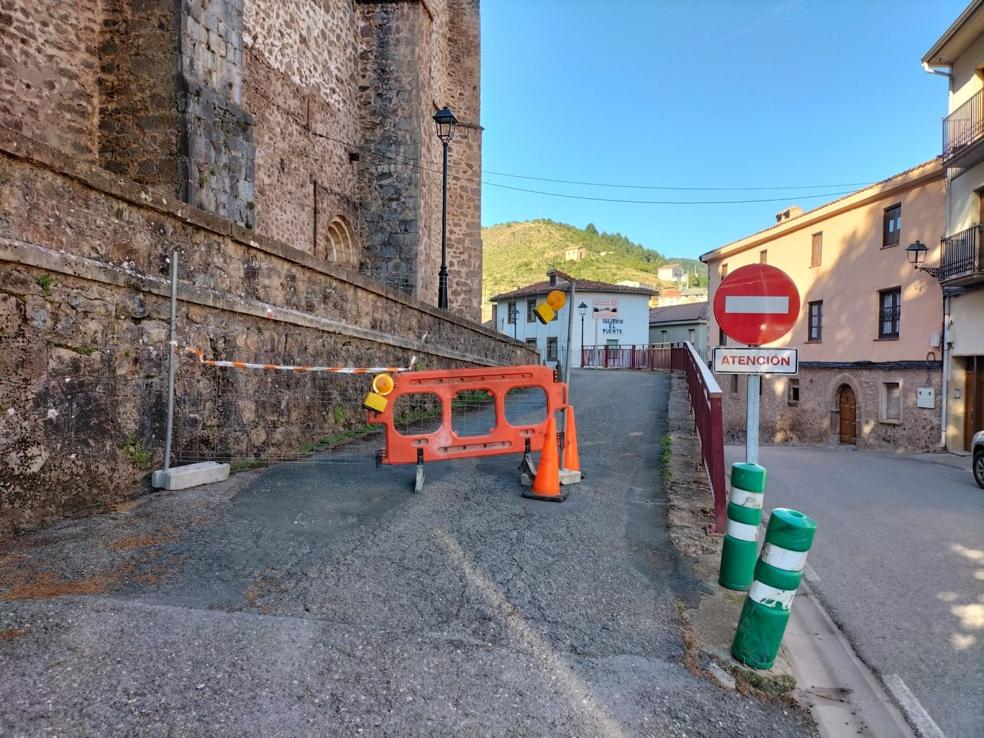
x: 944, y: 389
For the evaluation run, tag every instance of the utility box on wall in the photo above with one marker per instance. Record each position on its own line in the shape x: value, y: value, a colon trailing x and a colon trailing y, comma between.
x: 926, y: 398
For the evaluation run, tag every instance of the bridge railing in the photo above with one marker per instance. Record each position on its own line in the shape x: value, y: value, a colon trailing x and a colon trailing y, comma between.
x: 705, y: 400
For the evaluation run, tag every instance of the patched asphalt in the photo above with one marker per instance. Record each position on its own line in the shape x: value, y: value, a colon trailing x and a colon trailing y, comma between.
x: 316, y: 599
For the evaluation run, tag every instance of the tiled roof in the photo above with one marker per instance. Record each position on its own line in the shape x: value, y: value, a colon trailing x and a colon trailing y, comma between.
x: 580, y: 285
x: 689, y: 312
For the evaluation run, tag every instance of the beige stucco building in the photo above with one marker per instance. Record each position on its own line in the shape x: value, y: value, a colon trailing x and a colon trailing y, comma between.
x: 869, y: 331
x: 959, y: 55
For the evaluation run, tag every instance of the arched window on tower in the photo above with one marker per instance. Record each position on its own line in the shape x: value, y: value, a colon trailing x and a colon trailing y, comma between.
x: 341, y: 242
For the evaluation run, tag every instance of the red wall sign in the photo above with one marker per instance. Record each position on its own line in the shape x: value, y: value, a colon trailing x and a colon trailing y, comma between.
x: 756, y: 304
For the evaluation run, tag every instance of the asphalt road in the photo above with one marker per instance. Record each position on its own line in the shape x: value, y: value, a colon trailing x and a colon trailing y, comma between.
x: 899, y: 561
x: 317, y: 599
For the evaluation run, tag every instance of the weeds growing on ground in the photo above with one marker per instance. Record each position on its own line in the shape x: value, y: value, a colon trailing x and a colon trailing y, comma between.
x: 664, y: 459
x: 137, y: 450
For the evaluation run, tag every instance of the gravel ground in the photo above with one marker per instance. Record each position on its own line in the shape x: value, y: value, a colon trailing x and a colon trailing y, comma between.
x: 316, y: 599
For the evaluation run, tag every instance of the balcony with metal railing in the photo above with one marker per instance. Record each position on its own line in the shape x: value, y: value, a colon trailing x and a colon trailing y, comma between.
x: 962, y: 258
x: 963, y: 133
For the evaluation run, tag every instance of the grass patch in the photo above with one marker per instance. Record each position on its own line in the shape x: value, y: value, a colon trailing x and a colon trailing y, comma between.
x: 137, y: 450
x: 247, y: 464
x: 87, y: 350
x: 338, y: 415
x: 664, y: 457
x: 44, y: 282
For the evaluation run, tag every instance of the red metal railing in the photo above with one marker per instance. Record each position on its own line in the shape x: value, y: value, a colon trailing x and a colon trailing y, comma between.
x: 647, y: 356
x: 705, y: 401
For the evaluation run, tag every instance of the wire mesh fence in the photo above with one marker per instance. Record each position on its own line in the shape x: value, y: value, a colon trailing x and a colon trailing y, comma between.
x: 248, y: 418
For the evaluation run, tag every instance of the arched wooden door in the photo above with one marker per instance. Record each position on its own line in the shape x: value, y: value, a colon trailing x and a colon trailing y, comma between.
x: 847, y: 405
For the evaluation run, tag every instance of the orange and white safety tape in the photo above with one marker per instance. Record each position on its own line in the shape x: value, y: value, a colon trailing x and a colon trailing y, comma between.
x: 291, y: 368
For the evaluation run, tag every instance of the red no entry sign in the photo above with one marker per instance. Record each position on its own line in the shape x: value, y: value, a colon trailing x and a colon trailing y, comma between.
x: 756, y: 304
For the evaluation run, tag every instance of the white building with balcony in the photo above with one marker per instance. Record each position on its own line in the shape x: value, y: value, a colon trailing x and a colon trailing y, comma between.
x: 958, y: 55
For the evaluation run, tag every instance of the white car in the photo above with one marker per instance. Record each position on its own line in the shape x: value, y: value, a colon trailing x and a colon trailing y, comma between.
x: 977, y: 450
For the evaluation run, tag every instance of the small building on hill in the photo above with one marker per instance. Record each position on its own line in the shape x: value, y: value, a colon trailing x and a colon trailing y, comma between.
x: 575, y: 253
x: 672, y: 273
x: 686, y: 322
x: 673, y: 296
x: 604, y: 315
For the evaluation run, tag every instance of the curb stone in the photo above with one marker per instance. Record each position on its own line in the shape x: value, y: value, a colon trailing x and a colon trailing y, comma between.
x: 691, y: 513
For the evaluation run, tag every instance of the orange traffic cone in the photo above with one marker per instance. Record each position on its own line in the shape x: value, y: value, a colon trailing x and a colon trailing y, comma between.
x: 546, y: 485
x: 571, y: 460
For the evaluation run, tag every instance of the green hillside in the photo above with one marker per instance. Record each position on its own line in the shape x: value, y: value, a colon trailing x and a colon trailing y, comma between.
x: 516, y: 254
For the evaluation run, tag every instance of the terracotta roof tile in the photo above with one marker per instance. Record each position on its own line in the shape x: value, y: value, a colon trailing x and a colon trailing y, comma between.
x: 580, y: 285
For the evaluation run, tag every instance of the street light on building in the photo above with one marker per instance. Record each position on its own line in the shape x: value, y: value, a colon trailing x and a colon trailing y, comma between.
x: 446, y: 123
x: 916, y: 254
x: 582, y: 310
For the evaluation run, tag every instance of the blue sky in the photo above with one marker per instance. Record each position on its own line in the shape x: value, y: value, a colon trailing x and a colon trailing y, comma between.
x: 702, y: 93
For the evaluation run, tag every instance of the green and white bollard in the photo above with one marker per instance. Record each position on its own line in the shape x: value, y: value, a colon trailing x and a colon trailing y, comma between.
x: 778, y: 573
x: 740, y: 548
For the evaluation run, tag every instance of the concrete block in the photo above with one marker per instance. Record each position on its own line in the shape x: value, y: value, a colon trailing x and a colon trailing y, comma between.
x: 191, y: 475
x: 568, y: 476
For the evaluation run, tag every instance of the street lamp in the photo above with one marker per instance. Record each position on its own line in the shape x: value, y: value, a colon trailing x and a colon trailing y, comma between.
x: 446, y: 123
x: 916, y: 254
x: 582, y: 310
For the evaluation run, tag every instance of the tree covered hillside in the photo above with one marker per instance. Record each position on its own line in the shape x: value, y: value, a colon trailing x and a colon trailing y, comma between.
x: 516, y: 254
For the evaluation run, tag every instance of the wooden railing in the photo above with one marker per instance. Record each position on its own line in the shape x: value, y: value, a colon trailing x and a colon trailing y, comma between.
x: 705, y: 401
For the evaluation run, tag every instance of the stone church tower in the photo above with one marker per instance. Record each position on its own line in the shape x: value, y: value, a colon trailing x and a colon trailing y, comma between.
x: 306, y: 120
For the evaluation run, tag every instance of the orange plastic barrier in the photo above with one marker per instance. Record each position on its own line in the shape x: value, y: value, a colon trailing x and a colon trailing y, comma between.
x: 444, y: 443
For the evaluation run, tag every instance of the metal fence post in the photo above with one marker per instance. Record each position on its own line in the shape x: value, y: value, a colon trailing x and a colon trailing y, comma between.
x: 171, y: 345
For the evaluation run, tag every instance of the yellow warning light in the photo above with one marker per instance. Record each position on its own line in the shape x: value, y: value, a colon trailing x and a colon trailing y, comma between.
x: 556, y: 300
x: 382, y: 384
x: 375, y: 402
x: 544, y: 313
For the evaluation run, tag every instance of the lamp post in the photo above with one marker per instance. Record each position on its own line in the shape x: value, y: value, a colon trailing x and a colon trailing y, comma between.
x: 446, y: 123
x: 582, y: 310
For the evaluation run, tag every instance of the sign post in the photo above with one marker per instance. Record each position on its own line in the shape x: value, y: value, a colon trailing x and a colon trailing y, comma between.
x: 755, y: 304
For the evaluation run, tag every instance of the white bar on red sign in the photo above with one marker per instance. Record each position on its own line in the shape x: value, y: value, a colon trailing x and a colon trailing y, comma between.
x: 755, y: 361
x: 763, y: 305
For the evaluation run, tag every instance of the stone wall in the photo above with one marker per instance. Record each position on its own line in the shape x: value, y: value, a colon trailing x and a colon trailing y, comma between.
x: 390, y: 105
x: 815, y: 419
x: 300, y: 88
x: 307, y: 120
x: 83, y: 306
x: 141, y: 113
x: 222, y: 175
x: 49, y: 80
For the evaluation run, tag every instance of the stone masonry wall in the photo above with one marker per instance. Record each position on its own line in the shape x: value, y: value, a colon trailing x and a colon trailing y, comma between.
x: 815, y: 419
x: 83, y: 304
x: 49, y: 72
x: 300, y: 88
x: 142, y: 106
x: 389, y: 107
x: 222, y: 175
x: 307, y: 120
